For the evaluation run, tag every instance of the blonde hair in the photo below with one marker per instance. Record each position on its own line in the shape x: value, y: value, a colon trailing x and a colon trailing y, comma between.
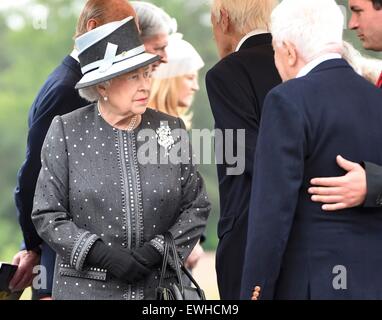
x: 164, y: 98
x: 369, y: 68
x: 246, y: 15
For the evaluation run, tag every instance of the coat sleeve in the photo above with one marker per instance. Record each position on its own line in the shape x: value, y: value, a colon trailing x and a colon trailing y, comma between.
x: 234, y: 106
x: 51, y: 215
x: 194, y: 209
x: 278, y: 175
x: 61, y: 100
x: 374, y: 185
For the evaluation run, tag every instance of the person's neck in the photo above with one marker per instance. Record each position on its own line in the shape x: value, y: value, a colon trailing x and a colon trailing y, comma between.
x: 235, y: 40
x: 231, y: 43
x: 115, y: 119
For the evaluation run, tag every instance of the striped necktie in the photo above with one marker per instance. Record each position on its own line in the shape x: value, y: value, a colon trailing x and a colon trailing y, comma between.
x: 379, y: 83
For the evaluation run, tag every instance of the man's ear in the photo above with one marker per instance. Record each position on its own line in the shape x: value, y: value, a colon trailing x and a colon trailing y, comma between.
x: 225, y: 22
x: 292, y: 54
x: 91, y: 24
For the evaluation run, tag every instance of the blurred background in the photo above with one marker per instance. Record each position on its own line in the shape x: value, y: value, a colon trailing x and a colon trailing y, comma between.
x: 35, y: 35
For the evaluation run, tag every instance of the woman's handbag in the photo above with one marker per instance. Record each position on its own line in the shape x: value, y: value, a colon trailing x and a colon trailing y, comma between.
x: 177, y: 290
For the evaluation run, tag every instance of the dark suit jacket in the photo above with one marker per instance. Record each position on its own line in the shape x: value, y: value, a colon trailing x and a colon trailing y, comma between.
x: 294, y: 249
x: 237, y: 87
x: 56, y: 97
x: 374, y: 180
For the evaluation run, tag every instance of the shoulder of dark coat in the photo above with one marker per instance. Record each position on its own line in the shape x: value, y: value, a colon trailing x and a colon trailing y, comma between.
x: 241, y: 61
x: 57, y: 92
x: 65, y: 75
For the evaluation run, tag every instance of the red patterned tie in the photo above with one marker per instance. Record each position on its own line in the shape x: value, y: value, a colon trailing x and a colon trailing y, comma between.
x: 379, y: 83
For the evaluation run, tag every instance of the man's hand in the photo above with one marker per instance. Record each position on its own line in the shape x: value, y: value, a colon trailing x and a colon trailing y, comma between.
x: 26, y: 260
x: 194, y: 257
x: 341, y: 192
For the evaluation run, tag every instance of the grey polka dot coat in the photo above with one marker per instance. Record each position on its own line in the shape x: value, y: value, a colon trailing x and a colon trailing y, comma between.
x: 96, y: 183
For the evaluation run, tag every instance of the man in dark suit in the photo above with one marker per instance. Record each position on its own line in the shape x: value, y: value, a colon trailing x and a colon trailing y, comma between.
x: 237, y: 86
x: 362, y: 184
x: 294, y: 249
x: 56, y: 97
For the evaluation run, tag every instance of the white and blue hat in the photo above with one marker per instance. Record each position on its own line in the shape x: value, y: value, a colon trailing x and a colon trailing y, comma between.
x: 111, y: 50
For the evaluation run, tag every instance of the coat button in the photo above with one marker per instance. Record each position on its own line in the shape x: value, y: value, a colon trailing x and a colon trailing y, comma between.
x: 256, y: 293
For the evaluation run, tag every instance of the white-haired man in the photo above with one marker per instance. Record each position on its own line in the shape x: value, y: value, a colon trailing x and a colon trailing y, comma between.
x: 294, y: 249
x: 362, y: 184
x: 237, y: 86
x: 155, y: 26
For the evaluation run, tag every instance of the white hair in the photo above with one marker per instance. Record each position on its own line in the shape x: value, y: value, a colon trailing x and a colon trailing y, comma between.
x: 313, y: 26
x: 367, y: 67
x: 245, y: 15
x: 153, y: 20
x: 91, y: 94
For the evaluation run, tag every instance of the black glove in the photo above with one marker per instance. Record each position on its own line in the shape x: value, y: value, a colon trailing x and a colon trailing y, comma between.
x: 119, y: 262
x: 147, y: 255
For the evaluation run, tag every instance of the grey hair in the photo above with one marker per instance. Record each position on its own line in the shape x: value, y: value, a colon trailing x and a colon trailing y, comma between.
x: 91, y: 94
x: 367, y: 67
x: 153, y: 20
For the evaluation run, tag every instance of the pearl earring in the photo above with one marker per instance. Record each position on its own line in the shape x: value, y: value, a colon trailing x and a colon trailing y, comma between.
x: 105, y: 98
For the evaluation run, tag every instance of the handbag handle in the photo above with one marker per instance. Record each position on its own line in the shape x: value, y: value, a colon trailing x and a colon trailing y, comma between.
x: 169, y: 245
x: 189, y: 276
x: 183, y: 268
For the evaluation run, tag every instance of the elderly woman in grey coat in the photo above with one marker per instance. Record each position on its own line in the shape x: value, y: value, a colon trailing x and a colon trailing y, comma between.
x: 97, y: 204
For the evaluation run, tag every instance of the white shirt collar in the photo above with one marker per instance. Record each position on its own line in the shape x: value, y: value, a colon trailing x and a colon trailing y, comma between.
x: 74, y: 55
x: 248, y: 35
x: 315, y: 62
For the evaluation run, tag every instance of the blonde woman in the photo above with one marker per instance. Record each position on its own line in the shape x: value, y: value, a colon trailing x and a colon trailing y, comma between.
x: 173, y: 88
x: 176, y: 82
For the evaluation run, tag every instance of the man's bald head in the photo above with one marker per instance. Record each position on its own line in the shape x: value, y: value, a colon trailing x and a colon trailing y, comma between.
x: 99, y: 12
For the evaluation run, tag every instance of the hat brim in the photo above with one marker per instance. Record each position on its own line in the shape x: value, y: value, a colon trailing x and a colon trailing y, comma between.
x: 95, y: 77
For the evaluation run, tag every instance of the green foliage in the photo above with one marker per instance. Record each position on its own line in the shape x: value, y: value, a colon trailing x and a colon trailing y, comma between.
x: 27, y: 56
